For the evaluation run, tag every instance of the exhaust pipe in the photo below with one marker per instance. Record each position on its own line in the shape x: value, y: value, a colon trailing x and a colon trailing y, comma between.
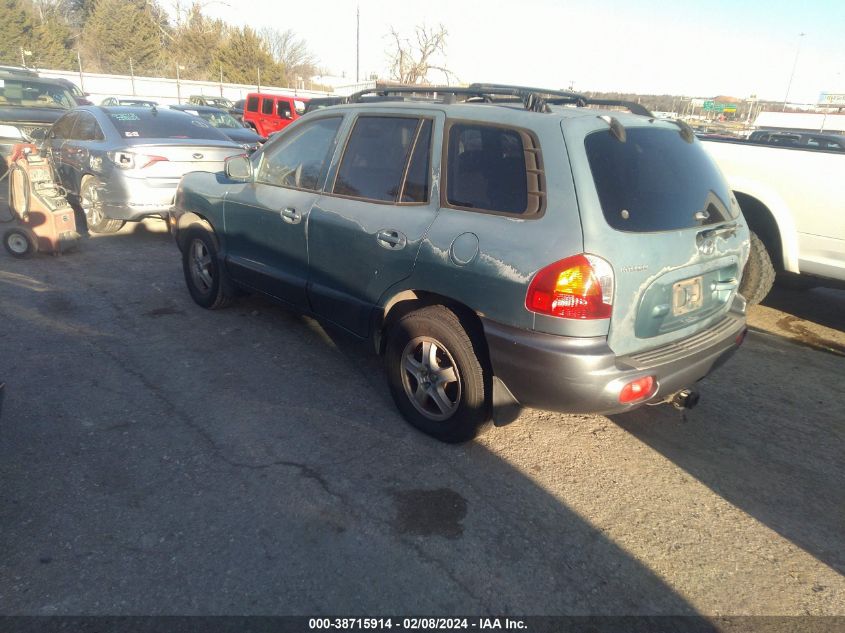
x: 685, y: 399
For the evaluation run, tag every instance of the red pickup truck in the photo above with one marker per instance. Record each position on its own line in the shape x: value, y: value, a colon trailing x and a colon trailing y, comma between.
x: 270, y: 113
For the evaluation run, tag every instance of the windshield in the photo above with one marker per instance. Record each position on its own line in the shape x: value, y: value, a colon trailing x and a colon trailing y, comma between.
x: 220, y: 103
x: 217, y: 119
x: 34, y: 94
x: 656, y: 181
x: 144, y: 123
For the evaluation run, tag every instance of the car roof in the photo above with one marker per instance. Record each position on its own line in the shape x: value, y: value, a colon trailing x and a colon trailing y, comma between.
x: 15, y: 76
x: 196, y: 108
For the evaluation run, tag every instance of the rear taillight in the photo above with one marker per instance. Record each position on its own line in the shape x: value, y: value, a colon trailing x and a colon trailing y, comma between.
x: 133, y: 160
x: 578, y: 287
x: 637, y: 390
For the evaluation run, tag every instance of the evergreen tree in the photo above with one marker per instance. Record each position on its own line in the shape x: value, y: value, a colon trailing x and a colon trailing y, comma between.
x: 16, y: 27
x: 120, y: 30
x: 197, y: 44
x: 243, y: 54
x: 51, y: 45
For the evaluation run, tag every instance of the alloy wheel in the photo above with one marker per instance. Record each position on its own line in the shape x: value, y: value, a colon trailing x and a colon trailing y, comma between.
x: 431, y: 379
x: 200, y: 267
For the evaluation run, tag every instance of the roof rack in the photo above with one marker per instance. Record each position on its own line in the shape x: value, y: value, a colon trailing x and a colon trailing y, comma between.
x: 534, y: 99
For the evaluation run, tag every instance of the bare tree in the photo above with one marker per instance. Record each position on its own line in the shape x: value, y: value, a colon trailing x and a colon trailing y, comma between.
x: 290, y: 51
x: 411, y: 62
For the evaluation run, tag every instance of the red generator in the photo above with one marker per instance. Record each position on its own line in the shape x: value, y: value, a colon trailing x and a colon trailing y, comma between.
x: 41, y: 218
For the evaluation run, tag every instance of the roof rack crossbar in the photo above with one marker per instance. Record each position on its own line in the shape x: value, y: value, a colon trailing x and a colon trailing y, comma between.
x: 534, y: 99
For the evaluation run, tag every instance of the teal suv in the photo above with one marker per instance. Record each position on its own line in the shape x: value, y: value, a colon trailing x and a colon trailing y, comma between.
x: 502, y: 247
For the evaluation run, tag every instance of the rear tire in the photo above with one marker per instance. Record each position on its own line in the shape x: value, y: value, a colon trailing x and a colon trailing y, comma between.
x: 438, y: 374
x: 92, y: 207
x: 759, y: 274
x: 206, y: 279
x: 20, y: 243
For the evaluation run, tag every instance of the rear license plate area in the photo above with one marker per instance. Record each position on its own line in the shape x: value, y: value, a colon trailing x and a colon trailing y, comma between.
x: 687, y: 296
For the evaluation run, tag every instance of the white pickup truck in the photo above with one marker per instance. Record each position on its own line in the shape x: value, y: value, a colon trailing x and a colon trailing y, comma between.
x: 794, y: 202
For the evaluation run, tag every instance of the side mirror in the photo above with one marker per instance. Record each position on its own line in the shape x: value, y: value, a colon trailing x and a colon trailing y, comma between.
x: 38, y: 134
x: 286, y: 114
x: 238, y: 168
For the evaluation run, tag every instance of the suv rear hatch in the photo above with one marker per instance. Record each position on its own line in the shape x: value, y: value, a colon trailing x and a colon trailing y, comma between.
x: 657, y: 208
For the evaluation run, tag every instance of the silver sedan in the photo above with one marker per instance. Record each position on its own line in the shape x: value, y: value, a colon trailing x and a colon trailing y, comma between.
x: 123, y: 164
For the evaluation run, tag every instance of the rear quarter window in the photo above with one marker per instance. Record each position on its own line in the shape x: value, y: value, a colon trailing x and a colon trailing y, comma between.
x: 493, y: 169
x: 656, y: 181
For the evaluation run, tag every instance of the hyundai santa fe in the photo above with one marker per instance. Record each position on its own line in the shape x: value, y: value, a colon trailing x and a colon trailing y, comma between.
x: 502, y: 247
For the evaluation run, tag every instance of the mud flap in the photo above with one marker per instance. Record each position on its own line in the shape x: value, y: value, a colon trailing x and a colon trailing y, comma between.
x: 505, y: 407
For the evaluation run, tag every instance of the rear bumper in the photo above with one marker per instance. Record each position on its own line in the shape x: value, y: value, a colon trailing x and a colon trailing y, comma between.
x: 583, y: 375
x: 127, y: 198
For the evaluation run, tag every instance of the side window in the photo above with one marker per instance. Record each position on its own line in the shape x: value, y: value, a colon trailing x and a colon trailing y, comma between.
x: 493, y: 168
x: 267, y: 105
x: 283, y: 109
x: 417, y: 182
x: 375, y: 157
x: 87, y: 129
x: 63, y: 127
x: 299, y: 158
x: 252, y: 104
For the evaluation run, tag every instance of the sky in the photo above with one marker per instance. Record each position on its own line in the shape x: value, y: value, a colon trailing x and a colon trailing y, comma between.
x: 681, y: 47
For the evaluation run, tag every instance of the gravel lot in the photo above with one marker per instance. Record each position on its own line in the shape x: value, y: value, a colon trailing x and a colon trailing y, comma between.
x: 156, y: 458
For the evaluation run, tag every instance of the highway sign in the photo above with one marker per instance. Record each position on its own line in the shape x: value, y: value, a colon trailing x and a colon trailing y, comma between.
x: 829, y: 98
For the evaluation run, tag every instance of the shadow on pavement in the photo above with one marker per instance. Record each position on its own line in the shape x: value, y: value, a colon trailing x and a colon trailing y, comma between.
x: 790, y: 480
x: 235, y: 462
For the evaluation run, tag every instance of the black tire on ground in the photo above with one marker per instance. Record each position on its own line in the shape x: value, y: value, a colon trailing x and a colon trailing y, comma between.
x: 92, y: 207
x: 759, y: 273
x: 438, y: 374
x: 20, y: 242
x: 207, y: 281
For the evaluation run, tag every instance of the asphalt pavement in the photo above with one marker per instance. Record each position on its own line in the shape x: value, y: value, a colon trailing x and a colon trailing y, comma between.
x: 158, y: 458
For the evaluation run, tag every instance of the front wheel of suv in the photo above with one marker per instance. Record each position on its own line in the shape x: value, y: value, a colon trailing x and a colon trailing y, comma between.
x: 438, y: 374
x: 206, y: 279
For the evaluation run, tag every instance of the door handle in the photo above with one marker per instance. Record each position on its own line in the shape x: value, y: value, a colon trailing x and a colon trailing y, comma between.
x: 391, y: 239
x: 291, y: 216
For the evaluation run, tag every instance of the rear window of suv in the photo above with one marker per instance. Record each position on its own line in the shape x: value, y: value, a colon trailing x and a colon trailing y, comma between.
x: 656, y: 181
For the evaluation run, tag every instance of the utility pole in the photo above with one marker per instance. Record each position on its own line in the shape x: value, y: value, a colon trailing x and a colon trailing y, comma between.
x: 79, y: 64
x: 258, y: 68
x: 792, y: 74
x: 358, y: 44
x: 132, y: 76
x: 178, y: 84
x: 221, y: 79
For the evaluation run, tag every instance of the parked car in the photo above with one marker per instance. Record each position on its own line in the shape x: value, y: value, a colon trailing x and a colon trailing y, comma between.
x: 271, y: 113
x: 28, y: 107
x: 807, y: 140
x: 322, y: 102
x: 78, y: 95
x: 792, y: 200
x: 130, y: 102
x: 498, y: 255
x: 123, y: 164
x: 214, y: 102
x: 226, y: 123
x: 18, y: 70
x: 237, y: 110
